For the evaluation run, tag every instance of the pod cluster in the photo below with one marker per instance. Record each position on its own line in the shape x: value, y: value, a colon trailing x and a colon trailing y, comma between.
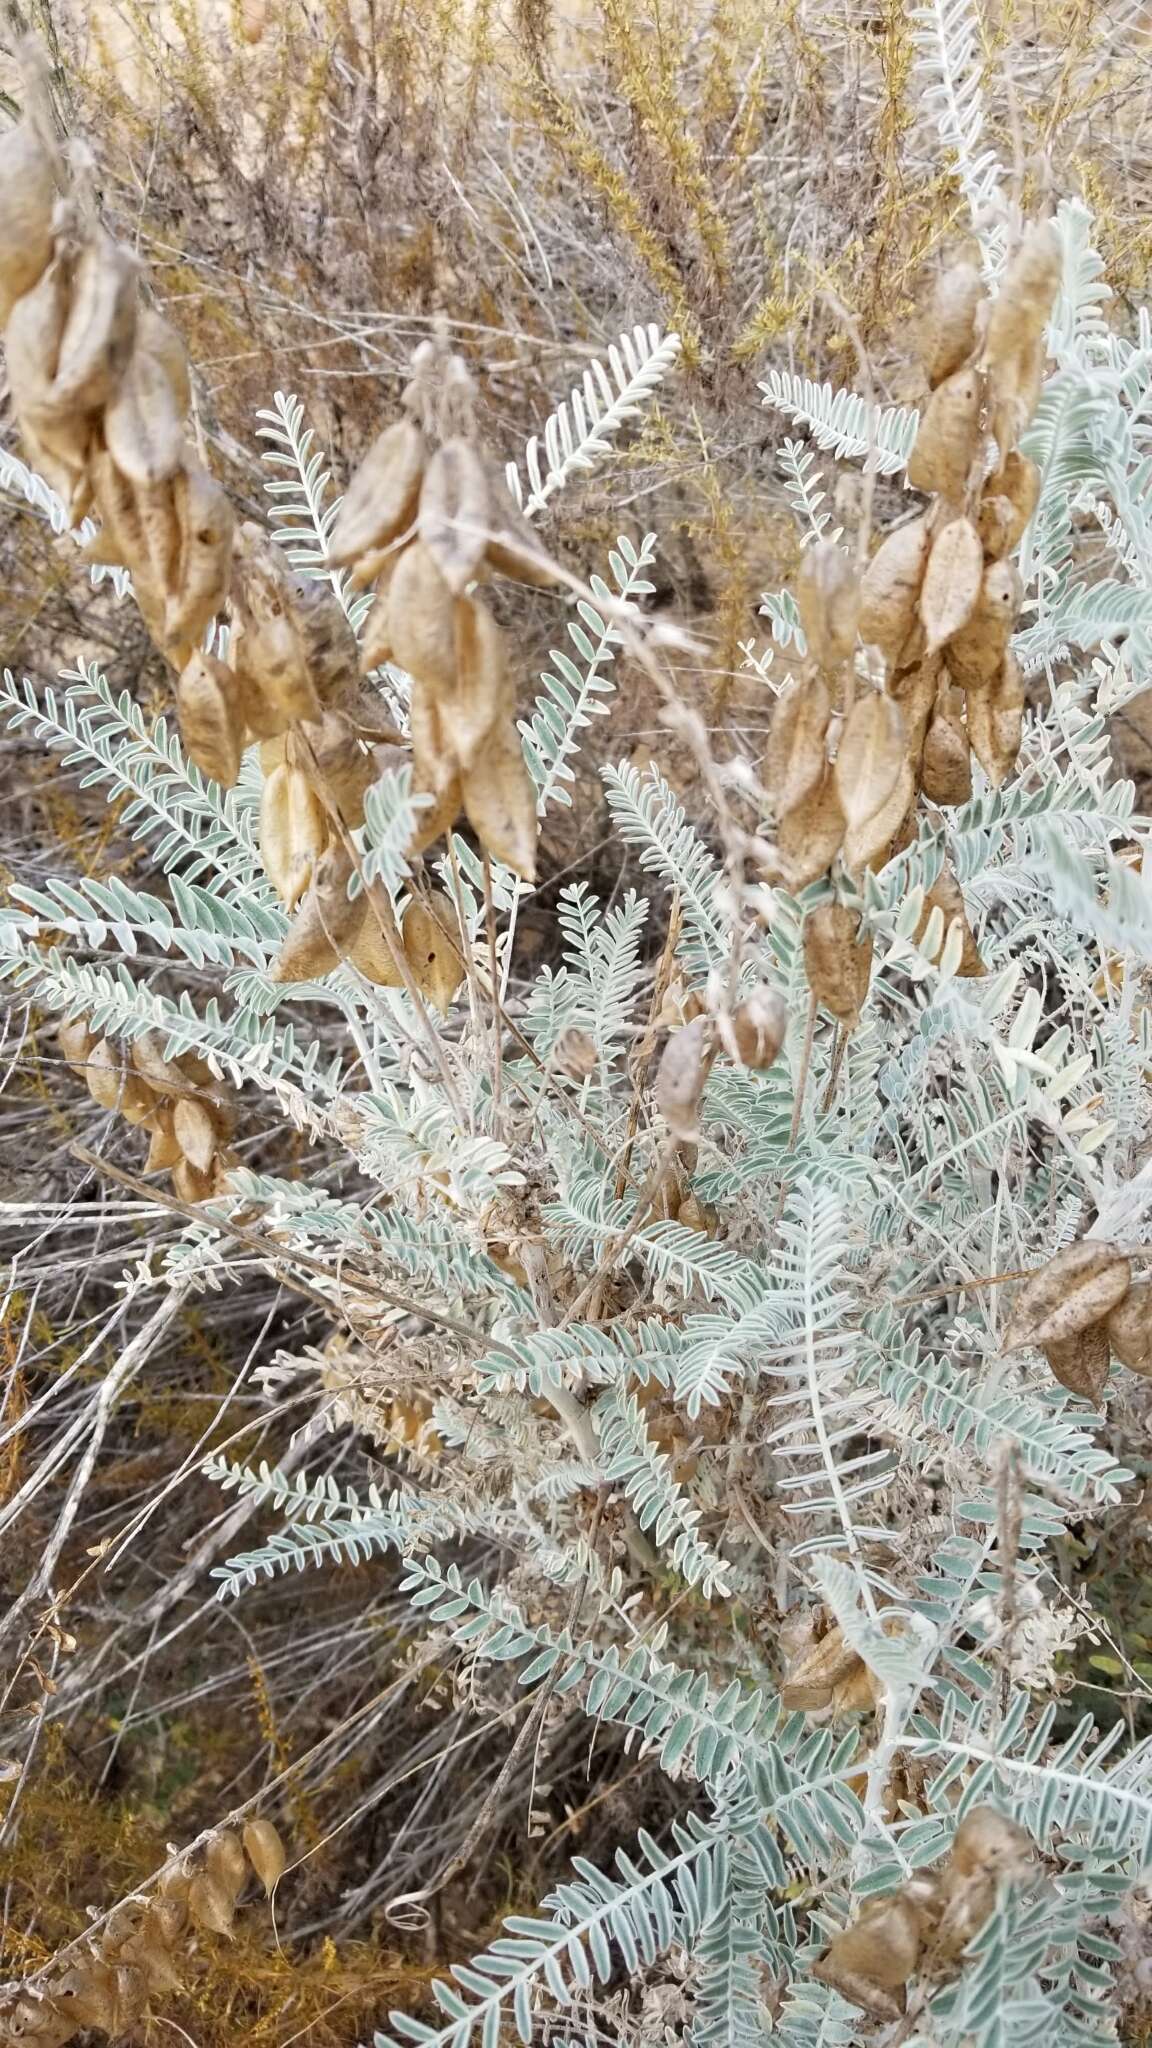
x: 926, y: 1925
x: 177, y: 1101
x: 845, y: 768
x: 142, y: 1949
x: 1082, y: 1309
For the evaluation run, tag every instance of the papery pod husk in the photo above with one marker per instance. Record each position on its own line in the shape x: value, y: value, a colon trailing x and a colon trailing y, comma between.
x: 122, y: 534
x: 430, y: 932
x: 371, y: 567
x: 869, y: 758
x: 100, y: 330
x: 383, y: 496
x: 1015, y: 394
x: 1017, y: 479
x: 269, y: 651
x: 809, y: 837
x: 263, y: 720
x: 915, y: 689
x: 837, y: 966
x: 499, y: 798
x: 166, y: 1076
x: 60, y: 452
x: 346, y: 768
x: 196, y: 1132
x: 369, y: 953
x: 86, y: 1995
x: 1129, y: 1327
x: 794, y: 759
x: 76, y: 1039
x: 164, y: 1149
x: 210, y: 1906
x: 947, y: 896
x: 376, y: 633
x: 434, y: 769
x: 890, y: 589
x: 27, y: 198
x: 192, y: 1185
x: 946, y: 759
x: 995, y: 722
x: 952, y: 582
x: 1077, y: 1288
x: 455, y: 520
x: 882, y: 1944
x: 422, y: 620
x: 293, y: 832
x: 1020, y: 311
x: 1081, y: 1363
x: 34, y: 335
x: 225, y: 1861
x: 948, y: 438
x: 574, y: 1054
x: 485, y: 696
x: 515, y: 548
x: 138, y: 1103
x: 327, y: 923
x: 143, y: 428
x: 808, y: 1683
x: 869, y: 843
x: 266, y: 1852
x: 950, y: 330
x: 152, y: 1955
x: 976, y: 652
x: 104, y: 1074
x: 330, y: 651
x: 211, y: 718
x: 859, y: 1693
x: 681, y: 1077
x: 205, y: 527
x: 754, y: 1031
x: 987, y: 1843
x: 828, y: 600
x: 999, y: 523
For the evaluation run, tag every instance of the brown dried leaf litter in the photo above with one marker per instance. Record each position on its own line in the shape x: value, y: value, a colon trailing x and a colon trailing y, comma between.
x: 847, y: 762
x: 110, y: 1979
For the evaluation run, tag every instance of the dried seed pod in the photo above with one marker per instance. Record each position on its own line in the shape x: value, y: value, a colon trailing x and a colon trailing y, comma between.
x: 104, y: 1074
x: 999, y: 524
x: 86, y: 1995
x: 756, y: 1029
x: 1129, y: 1328
x: 484, y: 697
x: 870, y: 843
x: 143, y: 428
x: 422, y: 619
x: 150, y: 1061
x: 376, y: 636
x: 156, y: 337
x: 27, y: 197
x: 995, y: 721
x: 681, y: 1075
x: 293, y: 832
x: 76, y: 1040
x: 34, y: 335
x: 383, y: 496
x: 499, y: 800
x: 1019, y: 313
x: 138, y: 1104
x: 515, y: 549
x: 225, y: 1861
x: 455, y: 518
x: 122, y: 534
x: 1018, y: 480
x: 859, y: 1693
x: 265, y: 1852
x: 838, y: 966
x: 346, y: 767
x: 267, y: 652
x: 211, y: 718
x: 326, y: 924
x: 96, y: 345
x: 160, y: 532
x: 870, y: 756
x: 204, y: 560
x: 431, y: 948
x: 1077, y: 1288
x: 164, y: 1146
x: 210, y: 1906
x: 946, y: 762
x: 947, y: 897
x: 371, y: 956
x: 952, y: 582
x: 988, y: 1843
x: 915, y: 690
x: 1080, y: 1363
x: 809, y: 837
x: 794, y: 760
x: 331, y: 655
x: 949, y: 437
x: 872, y: 1960
x: 891, y: 587
x: 196, y: 1132
x: 975, y: 653
x: 825, y: 1663
x: 828, y: 599
x: 191, y: 1184
x: 950, y: 330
